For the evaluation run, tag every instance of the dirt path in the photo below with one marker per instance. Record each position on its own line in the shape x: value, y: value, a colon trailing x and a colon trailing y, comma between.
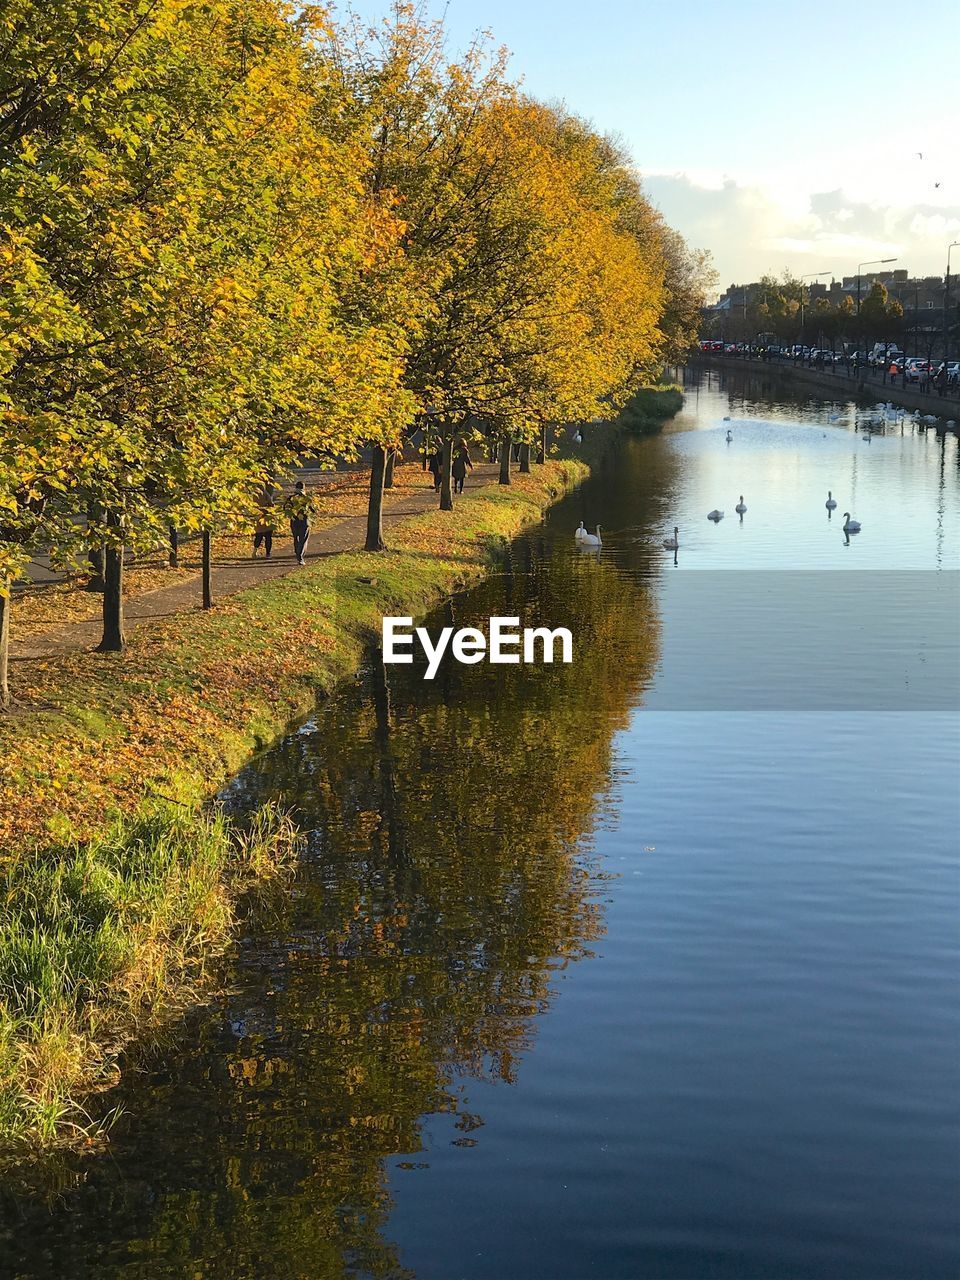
x: 235, y: 574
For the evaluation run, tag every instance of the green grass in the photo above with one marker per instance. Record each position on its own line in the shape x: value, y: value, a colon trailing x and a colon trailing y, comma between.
x: 98, y: 938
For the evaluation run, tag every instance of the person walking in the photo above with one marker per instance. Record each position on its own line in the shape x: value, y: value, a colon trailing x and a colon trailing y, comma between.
x: 299, y: 508
x: 435, y: 467
x: 263, y: 533
x: 460, y: 464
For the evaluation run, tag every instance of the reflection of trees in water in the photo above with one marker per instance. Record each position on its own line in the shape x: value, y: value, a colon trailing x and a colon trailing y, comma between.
x: 442, y: 891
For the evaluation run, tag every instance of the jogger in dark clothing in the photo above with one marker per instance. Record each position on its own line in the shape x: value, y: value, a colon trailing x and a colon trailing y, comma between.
x: 460, y: 464
x: 300, y: 529
x: 299, y: 507
x: 263, y: 533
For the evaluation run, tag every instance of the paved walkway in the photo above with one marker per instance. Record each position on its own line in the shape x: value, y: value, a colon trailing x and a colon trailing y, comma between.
x: 229, y: 576
x: 39, y: 571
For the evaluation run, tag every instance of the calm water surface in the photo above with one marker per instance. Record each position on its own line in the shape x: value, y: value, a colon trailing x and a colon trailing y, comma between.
x: 644, y: 967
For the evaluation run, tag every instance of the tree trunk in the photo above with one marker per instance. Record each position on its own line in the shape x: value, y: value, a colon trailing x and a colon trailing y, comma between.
x: 173, y: 555
x: 542, y: 450
x: 505, y: 449
x: 378, y: 469
x: 95, y: 581
x: 113, y: 639
x: 389, y: 808
x: 205, y: 569
x: 446, y: 486
x: 94, y: 554
x: 5, y: 602
x: 390, y: 463
x: 524, y: 459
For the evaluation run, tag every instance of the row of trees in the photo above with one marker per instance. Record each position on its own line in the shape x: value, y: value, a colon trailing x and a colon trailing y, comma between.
x: 784, y: 308
x: 235, y: 233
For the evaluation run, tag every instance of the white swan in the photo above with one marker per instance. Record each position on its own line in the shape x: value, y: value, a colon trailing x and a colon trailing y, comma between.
x: 592, y: 539
x: 673, y: 543
x: 578, y: 438
x: 715, y: 515
x: 831, y: 502
x: 850, y: 526
x: 581, y: 533
x: 729, y: 437
x: 741, y: 506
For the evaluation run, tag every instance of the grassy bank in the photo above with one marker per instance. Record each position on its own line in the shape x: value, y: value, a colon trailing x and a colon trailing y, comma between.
x: 101, y: 939
x: 650, y: 408
x: 118, y: 884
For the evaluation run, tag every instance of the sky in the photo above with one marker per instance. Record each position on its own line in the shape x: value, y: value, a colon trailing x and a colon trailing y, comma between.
x: 778, y: 136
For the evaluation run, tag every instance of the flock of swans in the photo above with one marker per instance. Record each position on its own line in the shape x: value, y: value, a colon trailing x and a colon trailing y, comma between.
x: 585, y: 539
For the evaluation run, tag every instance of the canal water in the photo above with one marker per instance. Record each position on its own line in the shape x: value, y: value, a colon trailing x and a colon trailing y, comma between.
x: 641, y: 967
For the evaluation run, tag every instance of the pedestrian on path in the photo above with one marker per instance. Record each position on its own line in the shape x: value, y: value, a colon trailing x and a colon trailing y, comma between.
x: 299, y: 508
x: 460, y: 464
x: 263, y: 533
x: 435, y: 466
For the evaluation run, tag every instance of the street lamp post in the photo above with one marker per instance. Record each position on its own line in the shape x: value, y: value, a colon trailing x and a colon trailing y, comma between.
x: 946, y: 311
x: 811, y: 275
x: 876, y: 262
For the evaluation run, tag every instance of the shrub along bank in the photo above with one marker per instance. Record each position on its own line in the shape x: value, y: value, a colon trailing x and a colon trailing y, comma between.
x: 119, y: 883
x: 650, y: 408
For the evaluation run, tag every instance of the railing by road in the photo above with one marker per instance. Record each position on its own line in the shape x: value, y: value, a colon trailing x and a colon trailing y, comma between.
x: 848, y: 377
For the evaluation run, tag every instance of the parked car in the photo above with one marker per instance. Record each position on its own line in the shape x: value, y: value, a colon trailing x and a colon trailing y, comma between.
x: 882, y: 354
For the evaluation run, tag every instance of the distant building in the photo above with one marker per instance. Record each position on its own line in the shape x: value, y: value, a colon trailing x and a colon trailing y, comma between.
x: 922, y: 299
x: 924, y: 293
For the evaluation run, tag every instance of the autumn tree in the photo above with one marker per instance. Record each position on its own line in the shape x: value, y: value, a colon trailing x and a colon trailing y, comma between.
x: 880, y: 318
x: 527, y: 296
x: 689, y: 276
x: 198, y: 213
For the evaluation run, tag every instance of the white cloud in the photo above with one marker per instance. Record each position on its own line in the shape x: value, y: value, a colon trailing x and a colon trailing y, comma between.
x: 756, y: 227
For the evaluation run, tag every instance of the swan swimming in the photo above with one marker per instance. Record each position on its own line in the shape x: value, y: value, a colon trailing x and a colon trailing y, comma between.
x: 592, y: 539
x: 831, y: 502
x: 729, y: 437
x: 715, y: 515
x: 850, y: 526
x: 673, y: 543
x: 741, y: 506
x: 581, y: 533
